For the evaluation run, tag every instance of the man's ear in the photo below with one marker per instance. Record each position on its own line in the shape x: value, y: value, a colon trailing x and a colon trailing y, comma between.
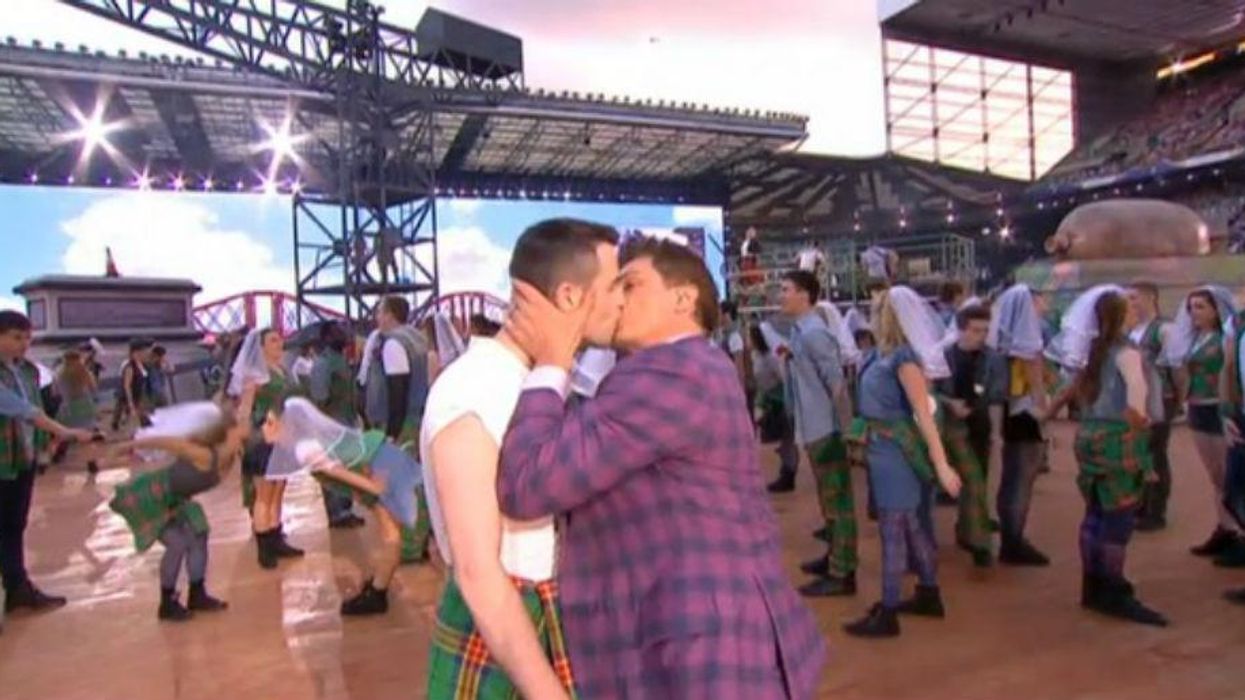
x: 568, y: 297
x: 685, y: 298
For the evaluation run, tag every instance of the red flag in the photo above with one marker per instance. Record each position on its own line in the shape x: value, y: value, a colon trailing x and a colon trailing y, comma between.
x: 110, y: 269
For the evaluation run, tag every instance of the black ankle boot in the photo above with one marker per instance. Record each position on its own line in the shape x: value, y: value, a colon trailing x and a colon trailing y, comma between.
x: 1116, y: 599
x: 171, y: 609
x: 283, y: 549
x: 927, y: 603
x: 199, y: 600
x: 1022, y: 553
x: 830, y: 586
x: 785, y: 483
x: 817, y: 567
x: 27, y: 596
x: 264, y: 548
x: 1091, y: 590
x: 369, y: 601
x: 1220, y: 541
x: 880, y: 622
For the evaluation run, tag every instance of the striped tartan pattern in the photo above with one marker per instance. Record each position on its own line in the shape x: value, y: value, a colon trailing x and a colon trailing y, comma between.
x: 13, y: 456
x: 972, y: 525
x: 148, y: 505
x: 1204, y: 368
x: 415, y: 539
x: 459, y: 664
x: 1114, y: 458
x: 828, y: 457
x: 903, y: 433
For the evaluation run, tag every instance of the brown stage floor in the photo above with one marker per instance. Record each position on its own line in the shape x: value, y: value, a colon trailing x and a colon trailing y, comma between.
x: 1011, y: 634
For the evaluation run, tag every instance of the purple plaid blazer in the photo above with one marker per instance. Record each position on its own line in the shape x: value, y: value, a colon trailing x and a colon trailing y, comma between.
x: 669, y: 573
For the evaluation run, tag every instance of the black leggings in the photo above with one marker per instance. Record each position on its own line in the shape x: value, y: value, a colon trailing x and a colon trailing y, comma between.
x: 182, y: 544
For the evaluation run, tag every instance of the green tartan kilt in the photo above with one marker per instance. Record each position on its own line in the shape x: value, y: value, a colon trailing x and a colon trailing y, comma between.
x: 148, y: 506
x: 1114, y: 459
x: 903, y: 433
x: 459, y: 664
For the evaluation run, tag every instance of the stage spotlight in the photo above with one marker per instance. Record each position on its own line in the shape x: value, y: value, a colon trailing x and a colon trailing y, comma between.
x: 1005, y: 232
x: 208, y: 185
x: 268, y: 187
x: 69, y: 180
x: 142, y: 181
x: 179, y: 183
x: 239, y: 185
x: 296, y: 187
x: 34, y: 178
x: 93, y: 131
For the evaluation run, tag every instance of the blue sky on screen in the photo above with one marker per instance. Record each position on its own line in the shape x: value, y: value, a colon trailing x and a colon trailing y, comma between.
x: 231, y: 243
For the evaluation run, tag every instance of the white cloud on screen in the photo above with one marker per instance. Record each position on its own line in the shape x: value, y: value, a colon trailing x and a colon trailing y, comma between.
x: 165, y: 235
x: 472, y: 262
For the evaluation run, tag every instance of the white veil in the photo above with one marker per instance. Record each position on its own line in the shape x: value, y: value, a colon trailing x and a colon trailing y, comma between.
x: 1015, y: 328
x: 856, y: 320
x: 308, y: 440
x: 1181, y: 336
x: 838, y: 328
x: 249, y: 366
x: 1079, y: 327
x: 181, y: 420
x: 590, y: 370
x: 922, y: 328
x: 449, y: 344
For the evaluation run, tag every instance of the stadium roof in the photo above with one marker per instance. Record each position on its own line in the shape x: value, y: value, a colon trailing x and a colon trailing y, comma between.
x: 199, y: 125
x: 1065, y: 32
x: 796, y: 190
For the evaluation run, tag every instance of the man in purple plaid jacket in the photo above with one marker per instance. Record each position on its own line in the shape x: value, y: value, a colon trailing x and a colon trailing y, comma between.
x: 669, y: 571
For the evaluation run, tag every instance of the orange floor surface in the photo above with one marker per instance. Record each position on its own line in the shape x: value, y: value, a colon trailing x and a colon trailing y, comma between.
x: 1010, y: 633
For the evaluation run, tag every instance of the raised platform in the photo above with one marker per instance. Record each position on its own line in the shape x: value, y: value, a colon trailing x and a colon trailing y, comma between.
x: 1175, y: 277
x: 1009, y: 633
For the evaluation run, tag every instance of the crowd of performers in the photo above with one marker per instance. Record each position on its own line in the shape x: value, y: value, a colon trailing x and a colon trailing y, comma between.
x: 907, y: 392
x: 602, y: 514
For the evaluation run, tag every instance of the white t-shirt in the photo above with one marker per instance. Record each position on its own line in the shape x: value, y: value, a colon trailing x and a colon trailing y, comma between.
x: 302, y: 367
x: 735, y: 343
x: 808, y: 259
x: 485, y: 381
x: 393, y: 358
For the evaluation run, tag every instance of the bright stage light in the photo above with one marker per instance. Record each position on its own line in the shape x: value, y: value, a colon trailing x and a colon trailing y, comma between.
x: 179, y: 183
x: 93, y: 131
x: 1005, y: 232
x: 296, y: 187
x: 268, y: 187
x: 143, y: 181
x: 208, y: 185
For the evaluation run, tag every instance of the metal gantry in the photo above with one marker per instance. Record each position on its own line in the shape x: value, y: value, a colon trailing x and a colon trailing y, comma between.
x: 382, y: 238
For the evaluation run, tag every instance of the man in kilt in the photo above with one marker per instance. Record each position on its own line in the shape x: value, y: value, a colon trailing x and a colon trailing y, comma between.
x: 24, y: 433
x: 498, y: 631
x: 1147, y: 335
x: 978, y: 380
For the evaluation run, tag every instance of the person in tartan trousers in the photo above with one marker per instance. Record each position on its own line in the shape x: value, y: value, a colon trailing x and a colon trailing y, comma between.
x: 670, y: 576
x: 24, y: 429
x: 978, y: 380
x: 818, y: 400
x: 1119, y: 394
x: 498, y: 630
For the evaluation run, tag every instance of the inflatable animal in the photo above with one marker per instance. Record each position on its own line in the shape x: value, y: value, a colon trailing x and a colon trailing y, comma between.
x: 1130, y: 228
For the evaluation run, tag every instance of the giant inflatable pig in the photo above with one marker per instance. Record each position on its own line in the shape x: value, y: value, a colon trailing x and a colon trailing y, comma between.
x: 1130, y: 228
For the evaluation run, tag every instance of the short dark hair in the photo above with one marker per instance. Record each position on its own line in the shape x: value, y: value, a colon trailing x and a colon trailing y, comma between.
x: 333, y: 336
x: 677, y: 265
x: 730, y: 309
x: 555, y: 251
x: 877, y: 285
x: 950, y: 290
x: 970, y: 313
x: 483, y: 327
x: 398, y: 307
x: 1146, y: 287
x: 806, y: 282
x: 140, y: 344
x: 159, y: 351
x: 14, y: 321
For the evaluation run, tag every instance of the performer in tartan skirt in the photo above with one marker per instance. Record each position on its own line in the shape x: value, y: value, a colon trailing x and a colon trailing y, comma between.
x: 816, y: 391
x: 1119, y: 394
x: 258, y: 379
x: 978, y: 380
x: 904, y: 453
x: 396, y: 373
x: 205, y: 441
x: 498, y: 631
x: 670, y: 577
x: 378, y: 471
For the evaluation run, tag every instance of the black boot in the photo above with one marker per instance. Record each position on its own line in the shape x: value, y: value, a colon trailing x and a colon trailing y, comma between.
x: 927, y: 603
x: 1236, y: 596
x: 92, y: 467
x: 817, y: 567
x: 199, y: 599
x: 283, y: 549
x: 1218, y: 543
x: 1233, y: 557
x: 264, y: 548
x: 1116, y: 599
x: 171, y: 609
x: 369, y: 601
x: 1091, y: 591
x: 1022, y: 553
x: 822, y: 533
x: 785, y: 483
x: 880, y: 622
x: 27, y: 596
x: 830, y: 586
x: 1151, y: 523
x: 348, y: 521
